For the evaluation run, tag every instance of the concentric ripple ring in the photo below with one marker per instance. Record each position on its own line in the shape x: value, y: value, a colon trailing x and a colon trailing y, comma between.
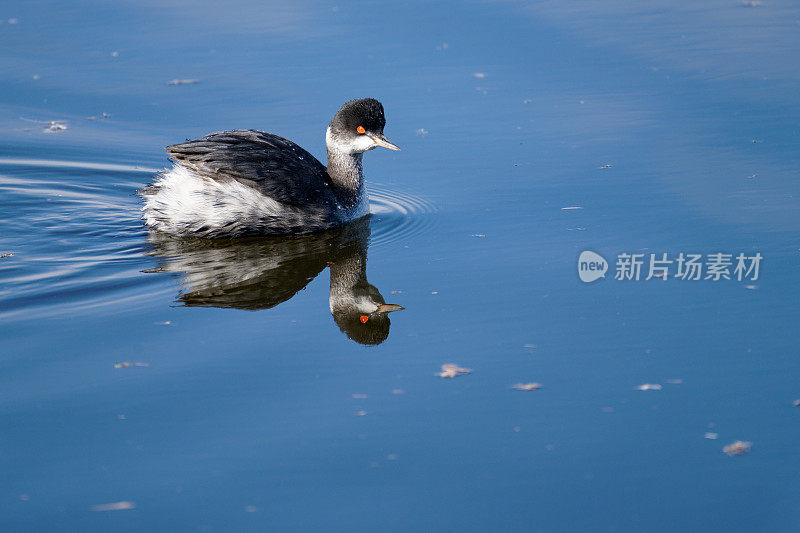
x: 397, y: 215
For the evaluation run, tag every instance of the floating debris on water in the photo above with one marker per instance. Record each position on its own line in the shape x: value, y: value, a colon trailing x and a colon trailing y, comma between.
x: 571, y: 207
x: 397, y: 292
x: 480, y: 75
x: 648, y: 386
x: 739, y: 447
x: 165, y: 323
x: 443, y: 46
x: 115, y: 506
x: 359, y: 396
x: 3, y: 256
x: 398, y: 391
x: 752, y: 176
x: 451, y: 370
x: 673, y: 381
x: 605, y: 166
x: 182, y: 82
x: 527, y: 101
x: 480, y: 235
x: 361, y: 413
x: 421, y: 132
x: 796, y: 403
x: 114, y: 54
x: 126, y: 364
x: 526, y: 386
x: 99, y: 117
x: 54, y: 126
x: 711, y: 436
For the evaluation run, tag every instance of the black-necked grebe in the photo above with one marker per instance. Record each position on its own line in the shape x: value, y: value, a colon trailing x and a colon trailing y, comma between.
x: 247, y: 182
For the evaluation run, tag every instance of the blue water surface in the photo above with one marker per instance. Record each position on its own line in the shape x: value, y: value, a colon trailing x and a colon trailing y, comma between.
x: 151, y: 385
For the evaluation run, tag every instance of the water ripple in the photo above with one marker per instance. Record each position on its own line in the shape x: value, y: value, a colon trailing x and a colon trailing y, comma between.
x: 397, y: 216
x: 74, y: 232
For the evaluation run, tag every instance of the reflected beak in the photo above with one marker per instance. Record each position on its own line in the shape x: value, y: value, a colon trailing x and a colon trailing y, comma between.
x: 388, y: 308
x: 380, y: 140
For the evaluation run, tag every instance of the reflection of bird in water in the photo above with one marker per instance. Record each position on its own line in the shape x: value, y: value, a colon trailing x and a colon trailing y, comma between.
x: 260, y: 273
x: 358, y: 307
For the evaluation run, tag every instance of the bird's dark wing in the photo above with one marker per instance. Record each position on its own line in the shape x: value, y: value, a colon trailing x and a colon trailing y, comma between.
x: 277, y: 167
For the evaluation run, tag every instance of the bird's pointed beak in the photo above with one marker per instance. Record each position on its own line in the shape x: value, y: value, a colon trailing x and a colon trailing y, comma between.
x: 388, y: 308
x: 380, y: 140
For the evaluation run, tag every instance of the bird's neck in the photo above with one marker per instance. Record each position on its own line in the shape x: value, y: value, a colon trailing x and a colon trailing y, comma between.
x: 347, y: 176
x: 345, y: 171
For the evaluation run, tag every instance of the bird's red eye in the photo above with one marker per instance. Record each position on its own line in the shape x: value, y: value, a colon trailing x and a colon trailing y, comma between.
x: 361, y: 129
x: 364, y: 319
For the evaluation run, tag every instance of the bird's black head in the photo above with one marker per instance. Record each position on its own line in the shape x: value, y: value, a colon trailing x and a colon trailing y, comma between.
x: 358, y: 127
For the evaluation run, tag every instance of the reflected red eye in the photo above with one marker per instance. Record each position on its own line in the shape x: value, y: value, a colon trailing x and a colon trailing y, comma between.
x: 361, y: 129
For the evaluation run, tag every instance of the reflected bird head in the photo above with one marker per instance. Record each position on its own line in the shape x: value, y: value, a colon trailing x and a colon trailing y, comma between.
x: 362, y: 314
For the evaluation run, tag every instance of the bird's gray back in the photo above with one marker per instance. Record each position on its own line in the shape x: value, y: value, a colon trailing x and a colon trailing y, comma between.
x: 275, y: 166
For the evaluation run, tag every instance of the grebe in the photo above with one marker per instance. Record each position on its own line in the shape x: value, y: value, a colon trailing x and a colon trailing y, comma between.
x: 247, y: 182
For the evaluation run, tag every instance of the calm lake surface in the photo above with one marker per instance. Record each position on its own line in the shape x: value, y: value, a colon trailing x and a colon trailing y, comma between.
x: 157, y: 385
